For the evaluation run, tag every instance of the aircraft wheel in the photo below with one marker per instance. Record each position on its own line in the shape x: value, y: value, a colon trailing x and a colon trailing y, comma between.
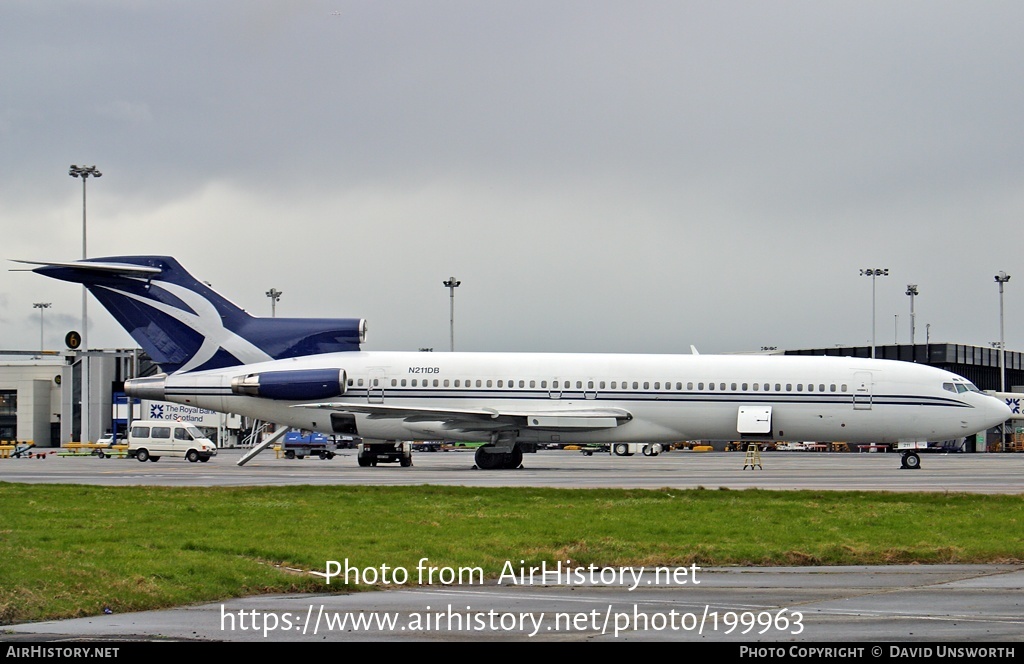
x: 911, y: 460
x: 487, y: 460
x: 513, y: 459
x: 142, y: 455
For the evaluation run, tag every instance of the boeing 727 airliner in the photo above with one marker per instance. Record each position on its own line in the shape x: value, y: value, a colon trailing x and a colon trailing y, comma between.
x: 311, y: 374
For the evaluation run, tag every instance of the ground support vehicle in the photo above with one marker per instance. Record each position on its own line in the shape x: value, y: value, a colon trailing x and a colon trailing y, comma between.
x: 629, y: 449
x: 372, y: 452
x: 148, y: 440
x: 298, y: 445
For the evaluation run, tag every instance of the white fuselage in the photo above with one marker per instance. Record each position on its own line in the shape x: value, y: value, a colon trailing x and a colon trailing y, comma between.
x: 650, y: 398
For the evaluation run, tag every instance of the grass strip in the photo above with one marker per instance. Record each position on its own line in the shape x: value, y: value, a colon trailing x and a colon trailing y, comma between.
x: 73, y: 550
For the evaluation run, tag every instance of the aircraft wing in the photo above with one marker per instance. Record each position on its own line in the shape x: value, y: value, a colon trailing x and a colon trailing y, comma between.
x: 554, y: 419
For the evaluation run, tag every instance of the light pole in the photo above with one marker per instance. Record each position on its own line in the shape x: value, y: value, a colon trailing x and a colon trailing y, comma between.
x: 873, y: 272
x: 451, y: 285
x: 41, y: 306
x: 84, y: 172
x: 274, y: 296
x: 1001, y: 279
x: 912, y: 292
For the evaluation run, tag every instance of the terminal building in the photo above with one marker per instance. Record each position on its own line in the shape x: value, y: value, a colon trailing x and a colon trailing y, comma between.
x: 41, y: 396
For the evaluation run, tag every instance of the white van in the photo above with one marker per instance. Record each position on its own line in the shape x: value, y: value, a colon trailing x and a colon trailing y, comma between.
x: 148, y: 440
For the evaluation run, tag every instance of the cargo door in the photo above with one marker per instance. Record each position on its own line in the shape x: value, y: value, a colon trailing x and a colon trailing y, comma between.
x: 754, y: 420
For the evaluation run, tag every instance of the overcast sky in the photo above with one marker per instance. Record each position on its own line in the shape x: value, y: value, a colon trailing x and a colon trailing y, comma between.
x: 601, y: 176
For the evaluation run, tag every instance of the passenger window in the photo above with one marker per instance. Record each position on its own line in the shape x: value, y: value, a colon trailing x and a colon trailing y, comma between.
x: 689, y: 386
x: 590, y: 384
x: 657, y: 385
x: 821, y: 388
x: 756, y: 386
x: 403, y: 382
x: 700, y: 386
x: 544, y: 384
x: 393, y: 382
x: 522, y: 383
x: 799, y: 387
x: 636, y: 385
x: 435, y: 382
x: 533, y: 384
x: 711, y: 386
x: 721, y: 386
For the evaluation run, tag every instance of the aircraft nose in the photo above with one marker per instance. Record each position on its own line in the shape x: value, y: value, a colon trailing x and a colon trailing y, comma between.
x: 998, y: 411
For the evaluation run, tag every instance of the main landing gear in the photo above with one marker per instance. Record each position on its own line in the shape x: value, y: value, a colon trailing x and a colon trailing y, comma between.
x: 487, y: 457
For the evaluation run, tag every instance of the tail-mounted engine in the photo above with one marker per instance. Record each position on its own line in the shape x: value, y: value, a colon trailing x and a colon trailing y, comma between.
x: 298, y: 385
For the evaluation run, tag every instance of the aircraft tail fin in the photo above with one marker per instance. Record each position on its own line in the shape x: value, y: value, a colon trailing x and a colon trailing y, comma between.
x: 183, y: 324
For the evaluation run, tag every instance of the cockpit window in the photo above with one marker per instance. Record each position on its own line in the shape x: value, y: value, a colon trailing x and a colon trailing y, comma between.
x: 960, y: 386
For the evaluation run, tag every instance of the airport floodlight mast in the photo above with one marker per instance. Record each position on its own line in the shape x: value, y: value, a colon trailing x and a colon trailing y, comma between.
x: 84, y: 172
x: 1001, y: 279
x: 873, y: 272
x: 41, y: 306
x: 274, y: 296
x: 451, y: 285
x: 912, y: 292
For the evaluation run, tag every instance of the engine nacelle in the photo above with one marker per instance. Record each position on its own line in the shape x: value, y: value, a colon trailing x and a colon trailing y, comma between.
x: 298, y: 385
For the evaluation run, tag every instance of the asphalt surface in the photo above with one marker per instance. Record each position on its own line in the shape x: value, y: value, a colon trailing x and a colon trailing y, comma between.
x: 852, y: 605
